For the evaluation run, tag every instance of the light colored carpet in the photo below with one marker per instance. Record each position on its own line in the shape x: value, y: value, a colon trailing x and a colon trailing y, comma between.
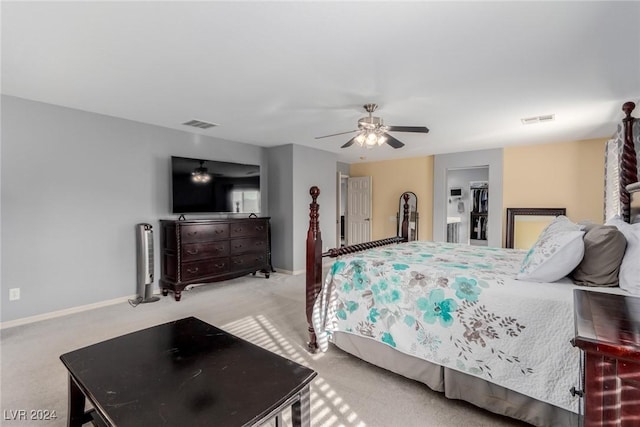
x: 269, y: 313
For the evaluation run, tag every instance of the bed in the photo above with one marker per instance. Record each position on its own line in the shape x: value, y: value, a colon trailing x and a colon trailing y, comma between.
x: 451, y: 316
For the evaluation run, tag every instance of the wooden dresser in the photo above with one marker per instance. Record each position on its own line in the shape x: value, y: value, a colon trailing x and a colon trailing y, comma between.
x: 206, y: 251
x: 608, y: 333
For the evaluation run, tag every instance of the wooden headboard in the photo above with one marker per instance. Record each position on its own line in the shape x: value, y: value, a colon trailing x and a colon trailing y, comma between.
x: 629, y: 163
x: 315, y: 255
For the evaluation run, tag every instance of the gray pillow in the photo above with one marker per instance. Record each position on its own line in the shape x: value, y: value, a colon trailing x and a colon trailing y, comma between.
x: 604, y: 247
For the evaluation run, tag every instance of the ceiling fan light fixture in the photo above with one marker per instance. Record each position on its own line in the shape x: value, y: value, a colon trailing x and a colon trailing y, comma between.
x: 372, y: 132
x: 372, y: 139
x: 201, y: 174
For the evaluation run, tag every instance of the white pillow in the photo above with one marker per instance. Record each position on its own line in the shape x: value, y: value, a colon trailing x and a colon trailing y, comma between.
x: 558, y: 250
x: 629, y: 276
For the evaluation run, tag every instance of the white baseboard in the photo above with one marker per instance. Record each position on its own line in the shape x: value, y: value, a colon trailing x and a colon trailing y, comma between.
x: 325, y: 264
x: 290, y: 272
x: 65, y: 312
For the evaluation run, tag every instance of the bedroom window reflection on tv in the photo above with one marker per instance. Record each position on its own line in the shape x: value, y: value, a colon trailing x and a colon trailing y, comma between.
x: 210, y: 186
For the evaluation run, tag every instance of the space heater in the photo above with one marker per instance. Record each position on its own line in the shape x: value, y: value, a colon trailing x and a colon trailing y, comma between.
x: 144, y: 246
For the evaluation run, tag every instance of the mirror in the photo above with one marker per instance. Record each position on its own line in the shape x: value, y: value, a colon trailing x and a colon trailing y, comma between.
x: 524, y: 225
x: 408, y: 208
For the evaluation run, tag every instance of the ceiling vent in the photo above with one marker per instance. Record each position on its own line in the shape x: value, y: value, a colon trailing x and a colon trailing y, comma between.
x: 200, y: 124
x: 538, y: 119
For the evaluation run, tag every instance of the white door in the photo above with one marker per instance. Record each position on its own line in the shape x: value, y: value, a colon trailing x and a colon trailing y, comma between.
x: 339, y: 209
x: 359, y: 210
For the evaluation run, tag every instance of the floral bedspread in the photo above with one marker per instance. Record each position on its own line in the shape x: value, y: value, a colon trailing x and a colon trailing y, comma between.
x: 458, y: 306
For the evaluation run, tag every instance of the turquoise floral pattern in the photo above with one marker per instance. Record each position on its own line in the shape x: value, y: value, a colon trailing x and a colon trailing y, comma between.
x: 436, y: 307
x: 436, y: 301
x: 467, y: 289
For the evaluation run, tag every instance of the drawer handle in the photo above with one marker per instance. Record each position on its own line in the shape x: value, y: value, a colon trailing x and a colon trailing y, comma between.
x: 575, y: 392
x: 237, y: 247
x: 192, y: 251
x: 219, y: 230
x: 192, y: 233
x: 237, y: 261
x: 260, y: 227
x: 237, y: 230
x: 259, y: 243
x: 219, y: 265
x: 192, y: 270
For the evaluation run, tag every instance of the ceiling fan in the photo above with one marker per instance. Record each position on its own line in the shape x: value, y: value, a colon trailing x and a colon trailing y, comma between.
x: 373, y: 132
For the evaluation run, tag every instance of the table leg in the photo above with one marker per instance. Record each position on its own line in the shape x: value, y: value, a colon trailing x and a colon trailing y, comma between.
x: 301, y: 409
x: 75, y: 416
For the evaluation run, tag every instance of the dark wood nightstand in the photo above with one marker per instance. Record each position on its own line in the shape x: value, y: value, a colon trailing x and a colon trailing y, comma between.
x: 608, y: 333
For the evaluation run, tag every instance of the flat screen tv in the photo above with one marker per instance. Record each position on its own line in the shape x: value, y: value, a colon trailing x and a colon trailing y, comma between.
x: 209, y: 186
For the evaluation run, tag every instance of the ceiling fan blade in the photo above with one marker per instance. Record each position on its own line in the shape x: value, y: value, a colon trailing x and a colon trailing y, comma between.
x: 394, y: 142
x: 420, y: 129
x: 335, y: 134
x: 350, y: 142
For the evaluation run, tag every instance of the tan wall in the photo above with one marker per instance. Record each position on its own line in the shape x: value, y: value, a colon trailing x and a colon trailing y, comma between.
x: 566, y: 174
x: 391, y: 178
x: 562, y: 175
x: 526, y: 233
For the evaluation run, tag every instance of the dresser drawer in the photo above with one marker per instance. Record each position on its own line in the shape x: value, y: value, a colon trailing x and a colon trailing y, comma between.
x: 196, y: 251
x: 204, y: 232
x: 249, y: 228
x: 240, y: 246
x: 629, y: 371
x: 248, y: 261
x: 199, y: 269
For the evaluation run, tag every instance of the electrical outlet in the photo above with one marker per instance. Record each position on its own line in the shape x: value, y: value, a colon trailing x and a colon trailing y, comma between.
x: 14, y: 294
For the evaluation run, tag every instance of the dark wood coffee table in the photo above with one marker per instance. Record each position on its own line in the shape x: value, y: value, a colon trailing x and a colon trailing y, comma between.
x: 181, y: 373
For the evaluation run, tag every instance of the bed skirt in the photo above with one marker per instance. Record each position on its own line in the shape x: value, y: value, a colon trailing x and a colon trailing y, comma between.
x: 457, y: 385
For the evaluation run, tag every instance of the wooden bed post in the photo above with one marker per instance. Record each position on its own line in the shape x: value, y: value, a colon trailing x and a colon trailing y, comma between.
x: 629, y: 164
x: 405, y: 218
x: 314, y: 264
x: 313, y: 283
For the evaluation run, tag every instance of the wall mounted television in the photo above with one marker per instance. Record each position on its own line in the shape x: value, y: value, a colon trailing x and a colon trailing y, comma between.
x: 210, y: 186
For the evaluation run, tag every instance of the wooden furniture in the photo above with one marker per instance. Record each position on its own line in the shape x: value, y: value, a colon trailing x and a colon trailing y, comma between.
x: 621, y: 165
x: 315, y: 255
x: 459, y: 385
x: 407, y: 217
x: 514, y: 213
x: 184, y: 372
x: 629, y: 161
x: 206, y: 251
x: 608, y: 333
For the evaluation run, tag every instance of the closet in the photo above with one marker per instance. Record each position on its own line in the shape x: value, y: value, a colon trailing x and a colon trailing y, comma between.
x: 479, y: 213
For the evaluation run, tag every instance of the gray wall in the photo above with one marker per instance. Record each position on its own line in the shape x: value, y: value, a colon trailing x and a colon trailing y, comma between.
x: 313, y: 167
x: 281, y: 205
x: 293, y: 171
x: 74, y: 184
x: 444, y: 162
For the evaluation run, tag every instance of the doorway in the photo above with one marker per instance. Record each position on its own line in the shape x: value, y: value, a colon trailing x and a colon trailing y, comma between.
x: 354, y: 210
x: 467, y: 202
x: 341, y: 204
x: 442, y: 163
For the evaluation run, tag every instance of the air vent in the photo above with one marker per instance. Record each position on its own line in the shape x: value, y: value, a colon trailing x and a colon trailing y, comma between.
x: 538, y: 119
x: 200, y: 124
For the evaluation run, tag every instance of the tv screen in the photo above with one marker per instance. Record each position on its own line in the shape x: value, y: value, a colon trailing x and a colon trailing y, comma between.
x: 209, y: 186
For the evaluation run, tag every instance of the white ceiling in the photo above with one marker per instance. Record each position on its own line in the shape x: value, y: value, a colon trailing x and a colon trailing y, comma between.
x: 273, y: 73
